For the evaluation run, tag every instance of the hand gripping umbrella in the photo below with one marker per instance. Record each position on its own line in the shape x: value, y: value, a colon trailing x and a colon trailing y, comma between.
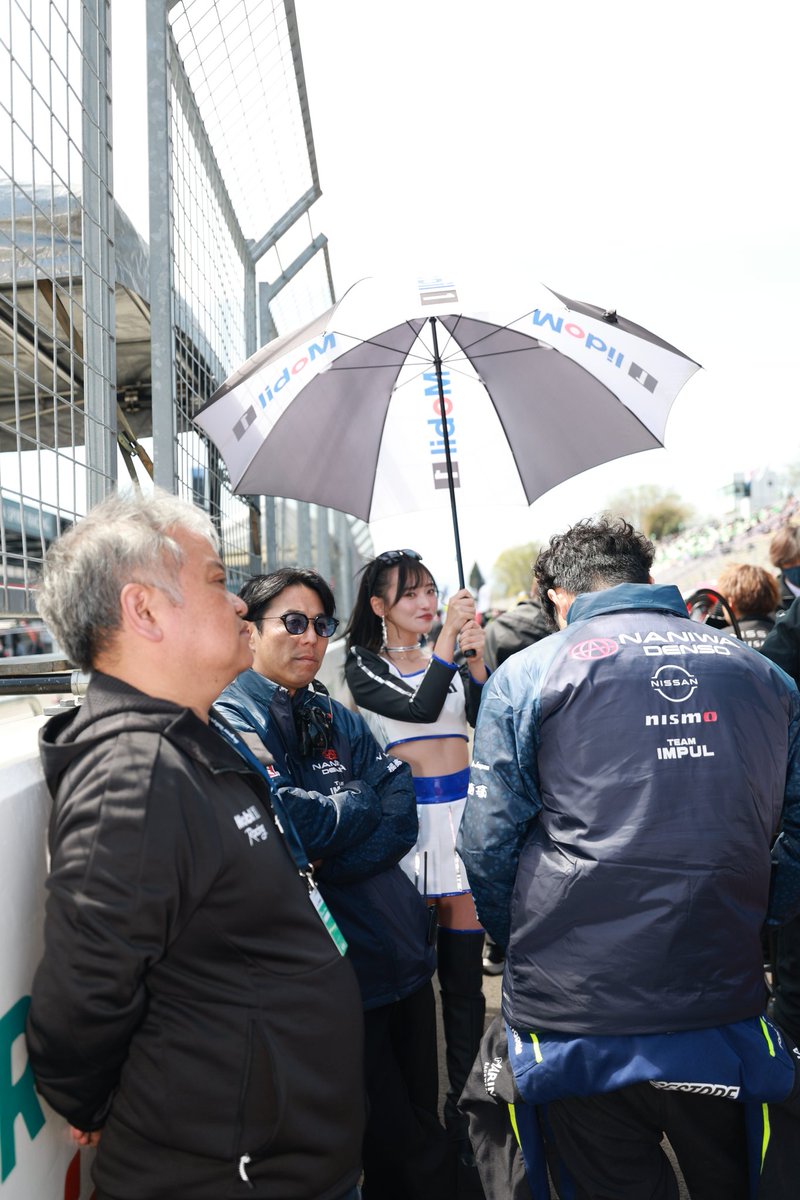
x: 398, y: 401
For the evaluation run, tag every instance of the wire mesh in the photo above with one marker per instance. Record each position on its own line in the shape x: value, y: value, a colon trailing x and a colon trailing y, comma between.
x: 77, y: 312
x: 54, y: 287
x: 238, y: 58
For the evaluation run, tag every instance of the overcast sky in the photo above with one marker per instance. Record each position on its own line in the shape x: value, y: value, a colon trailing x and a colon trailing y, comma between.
x: 641, y: 157
x: 638, y: 156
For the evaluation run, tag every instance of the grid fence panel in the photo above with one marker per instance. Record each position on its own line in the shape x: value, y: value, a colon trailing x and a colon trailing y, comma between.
x: 106, y: 340
x: 57, y: 351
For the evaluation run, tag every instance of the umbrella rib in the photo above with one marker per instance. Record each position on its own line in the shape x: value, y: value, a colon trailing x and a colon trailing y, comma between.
x: 494, y: 329
x: 379, y: 345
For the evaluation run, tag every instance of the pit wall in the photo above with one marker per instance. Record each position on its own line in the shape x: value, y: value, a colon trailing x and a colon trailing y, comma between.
x: 37, y: 1159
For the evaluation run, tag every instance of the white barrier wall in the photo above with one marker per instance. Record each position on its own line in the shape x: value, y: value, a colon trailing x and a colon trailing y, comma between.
x: 37, y: 1159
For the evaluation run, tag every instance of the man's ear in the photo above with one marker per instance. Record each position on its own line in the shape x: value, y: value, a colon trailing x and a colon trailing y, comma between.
x: 253, y: 634
x: 139, y: 604
x: 561, y: 601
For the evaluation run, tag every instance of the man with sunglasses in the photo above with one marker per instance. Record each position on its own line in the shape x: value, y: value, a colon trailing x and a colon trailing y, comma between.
x: 328, y: 766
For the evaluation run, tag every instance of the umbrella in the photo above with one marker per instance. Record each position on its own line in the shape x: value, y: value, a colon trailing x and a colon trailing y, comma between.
x: 403, y: 397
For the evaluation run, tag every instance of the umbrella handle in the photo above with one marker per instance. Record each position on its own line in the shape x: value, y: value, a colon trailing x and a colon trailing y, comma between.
x: 437, y: 362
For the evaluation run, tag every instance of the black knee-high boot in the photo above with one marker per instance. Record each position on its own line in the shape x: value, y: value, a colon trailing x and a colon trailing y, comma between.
x: 460, y: 969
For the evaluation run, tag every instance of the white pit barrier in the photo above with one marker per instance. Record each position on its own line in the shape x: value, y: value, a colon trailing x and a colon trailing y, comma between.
x: 38, y: 1160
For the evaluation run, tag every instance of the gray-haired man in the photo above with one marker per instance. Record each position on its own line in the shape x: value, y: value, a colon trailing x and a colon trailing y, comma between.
x: 191, y: 1002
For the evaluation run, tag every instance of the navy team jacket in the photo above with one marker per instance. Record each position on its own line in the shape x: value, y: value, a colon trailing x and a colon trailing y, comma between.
x: 630, y: 775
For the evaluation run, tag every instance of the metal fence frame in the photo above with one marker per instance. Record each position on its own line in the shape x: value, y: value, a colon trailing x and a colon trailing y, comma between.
x: 64, y: 408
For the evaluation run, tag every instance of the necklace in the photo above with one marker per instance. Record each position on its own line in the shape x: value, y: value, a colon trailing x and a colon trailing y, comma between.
x: 403, y: 649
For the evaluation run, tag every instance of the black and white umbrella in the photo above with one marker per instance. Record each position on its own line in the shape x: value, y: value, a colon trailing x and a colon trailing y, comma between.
x: 404, y: 399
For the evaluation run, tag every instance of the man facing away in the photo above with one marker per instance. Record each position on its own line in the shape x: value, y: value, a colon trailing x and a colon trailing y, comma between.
x: 326, y: 754
x: 619, y: 811
x: 191, y: 1004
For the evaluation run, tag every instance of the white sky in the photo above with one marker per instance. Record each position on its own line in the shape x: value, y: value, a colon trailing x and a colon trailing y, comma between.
x: 641, y: 157
x: 637, y: 156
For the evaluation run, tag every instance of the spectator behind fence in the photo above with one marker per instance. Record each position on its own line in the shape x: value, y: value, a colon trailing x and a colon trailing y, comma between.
x: 617, y: 836
x: 191, y: 1004
x: 754, y: 597
x: 784, y: 553
x: 330, y: 757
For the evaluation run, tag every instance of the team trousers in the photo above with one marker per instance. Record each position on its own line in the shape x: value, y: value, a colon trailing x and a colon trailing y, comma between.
x: 611, y: 1144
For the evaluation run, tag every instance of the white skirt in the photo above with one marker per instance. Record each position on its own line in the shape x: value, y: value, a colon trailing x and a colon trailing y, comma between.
x: 433, y: 865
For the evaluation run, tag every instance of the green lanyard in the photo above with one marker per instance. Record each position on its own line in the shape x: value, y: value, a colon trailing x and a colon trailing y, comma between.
x: 290, y: 835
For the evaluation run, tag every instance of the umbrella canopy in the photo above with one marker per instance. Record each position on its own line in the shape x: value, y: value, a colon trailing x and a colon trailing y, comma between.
x: 361, y: 409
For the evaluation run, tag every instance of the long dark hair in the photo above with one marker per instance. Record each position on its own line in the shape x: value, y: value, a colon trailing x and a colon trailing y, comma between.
x: 364, y: 628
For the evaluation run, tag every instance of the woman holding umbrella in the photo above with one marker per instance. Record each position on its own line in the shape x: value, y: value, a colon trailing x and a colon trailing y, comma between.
x: 418, y: 703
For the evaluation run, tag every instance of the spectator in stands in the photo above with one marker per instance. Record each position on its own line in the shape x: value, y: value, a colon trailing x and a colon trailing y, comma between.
x: 753, y: 595
x: 784, y: 553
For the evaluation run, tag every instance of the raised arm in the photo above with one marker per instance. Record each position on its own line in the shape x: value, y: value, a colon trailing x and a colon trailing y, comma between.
x: 375, y: 688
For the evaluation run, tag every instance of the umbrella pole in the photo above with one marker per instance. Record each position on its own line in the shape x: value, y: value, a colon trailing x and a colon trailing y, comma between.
x: 437, y: 362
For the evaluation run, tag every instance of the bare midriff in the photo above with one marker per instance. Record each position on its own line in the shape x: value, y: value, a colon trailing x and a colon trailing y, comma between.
x: 433, y: 756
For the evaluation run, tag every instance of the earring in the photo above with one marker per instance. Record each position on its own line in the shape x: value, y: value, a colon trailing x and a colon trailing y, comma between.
x: 384, y: 634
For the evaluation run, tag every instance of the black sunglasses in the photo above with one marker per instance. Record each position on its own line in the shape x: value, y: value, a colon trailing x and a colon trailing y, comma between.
x: 296, y: 623
x: 390, y: 557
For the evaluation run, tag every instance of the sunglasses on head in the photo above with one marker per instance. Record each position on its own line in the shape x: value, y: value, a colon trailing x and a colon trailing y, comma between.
x: 296, y: 623
x: 390, y: 557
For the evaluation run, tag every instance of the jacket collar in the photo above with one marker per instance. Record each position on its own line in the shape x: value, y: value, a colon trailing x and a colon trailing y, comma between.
x: 626, y: 596
x: 112, y: 707
x: 257, y: 687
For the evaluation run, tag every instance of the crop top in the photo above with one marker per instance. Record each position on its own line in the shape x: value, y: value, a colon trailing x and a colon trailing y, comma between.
x: 437, y: 702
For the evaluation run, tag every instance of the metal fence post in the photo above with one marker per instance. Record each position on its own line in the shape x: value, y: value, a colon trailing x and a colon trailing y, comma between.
x: 162, y: 338
x: 99, y: 370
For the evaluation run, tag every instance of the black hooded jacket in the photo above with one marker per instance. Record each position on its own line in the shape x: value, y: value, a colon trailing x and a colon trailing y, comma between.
x: 190, y: 1000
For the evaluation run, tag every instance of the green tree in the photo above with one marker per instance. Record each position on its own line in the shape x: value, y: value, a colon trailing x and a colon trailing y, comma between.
x: 652, y: 509
x: 513, y: 570
x: 633, y: 502
x: 666, y: 516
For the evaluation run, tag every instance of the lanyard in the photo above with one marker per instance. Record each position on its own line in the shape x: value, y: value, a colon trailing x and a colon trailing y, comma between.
x: 290, y: 835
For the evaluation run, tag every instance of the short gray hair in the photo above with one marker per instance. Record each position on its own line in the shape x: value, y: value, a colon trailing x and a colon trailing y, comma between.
x: 124, y: 539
